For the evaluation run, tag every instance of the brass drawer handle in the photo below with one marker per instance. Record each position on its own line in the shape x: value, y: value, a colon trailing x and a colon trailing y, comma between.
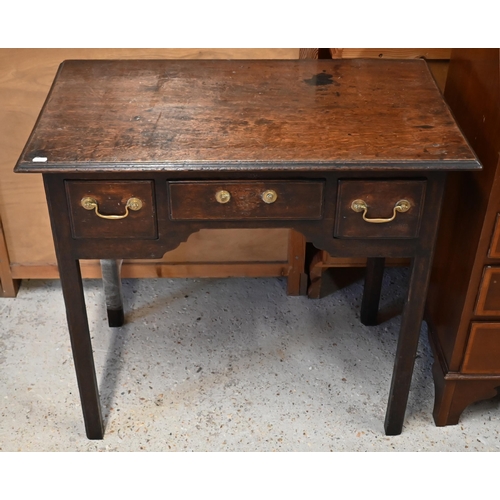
x: 89, y: 203
x: 361, y: 206
x: 222, y: 196
x: 269, y: 196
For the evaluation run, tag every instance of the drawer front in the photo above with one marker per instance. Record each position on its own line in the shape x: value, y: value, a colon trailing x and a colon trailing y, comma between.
x: 111, y: 199
x: 379, y: 208
x: 483, y: 349
x: 241, y: 200
x: 488, y: 299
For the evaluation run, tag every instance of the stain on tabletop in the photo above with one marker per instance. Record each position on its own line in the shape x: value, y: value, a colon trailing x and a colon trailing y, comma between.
x: 321, y: 79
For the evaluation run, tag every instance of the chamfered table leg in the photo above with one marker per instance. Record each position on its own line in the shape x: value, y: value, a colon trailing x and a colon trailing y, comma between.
x: 371, y: 293
x: 409, y: 334
x: 81, y: 345
x: 112, y: 285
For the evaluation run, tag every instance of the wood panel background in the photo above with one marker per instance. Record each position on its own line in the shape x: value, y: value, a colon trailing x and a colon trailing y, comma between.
x: 27, y: 249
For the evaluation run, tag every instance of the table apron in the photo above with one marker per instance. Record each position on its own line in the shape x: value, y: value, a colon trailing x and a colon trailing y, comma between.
x: 325, y: 200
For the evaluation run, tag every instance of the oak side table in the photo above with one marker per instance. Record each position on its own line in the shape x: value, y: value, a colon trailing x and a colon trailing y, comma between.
x: 138, y: 154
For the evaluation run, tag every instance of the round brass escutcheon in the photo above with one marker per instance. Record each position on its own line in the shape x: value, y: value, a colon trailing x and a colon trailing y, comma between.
x: 222, y: 196
x: 403, y: 206
x: 89, y: 203
x: 269, y: 196
x: 134, y: 204
x: 358, y: 205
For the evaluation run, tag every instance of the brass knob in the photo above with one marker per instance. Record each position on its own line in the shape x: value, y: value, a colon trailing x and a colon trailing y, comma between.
x: 222, y: 196
x: 269, y: 196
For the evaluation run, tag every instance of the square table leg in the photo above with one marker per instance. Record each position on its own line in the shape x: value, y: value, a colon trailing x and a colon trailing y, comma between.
x: 411, y: 321
x: 72, y: 288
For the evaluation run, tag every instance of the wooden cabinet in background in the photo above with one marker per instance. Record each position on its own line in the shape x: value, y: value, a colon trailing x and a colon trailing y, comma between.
x: 463, y: 307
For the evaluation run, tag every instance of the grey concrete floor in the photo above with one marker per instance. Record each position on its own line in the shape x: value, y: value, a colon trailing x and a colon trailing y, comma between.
x: 221, y: 365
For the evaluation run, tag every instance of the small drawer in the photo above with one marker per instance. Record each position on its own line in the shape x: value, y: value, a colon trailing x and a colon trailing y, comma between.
x: 118, y: 209
x: 379, y: 208
x: 488, y: 299
x: 241, y: 200
x: 483, y: 349
x: 494, y: 251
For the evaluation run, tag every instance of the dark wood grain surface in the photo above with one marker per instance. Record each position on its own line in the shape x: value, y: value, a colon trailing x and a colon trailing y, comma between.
x: 134, y: 115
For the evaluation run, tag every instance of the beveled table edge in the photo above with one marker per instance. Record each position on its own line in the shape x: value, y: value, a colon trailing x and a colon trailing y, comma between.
x: 248, y: 166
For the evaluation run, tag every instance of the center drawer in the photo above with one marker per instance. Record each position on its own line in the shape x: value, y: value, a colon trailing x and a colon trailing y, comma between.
x: 241, y: 200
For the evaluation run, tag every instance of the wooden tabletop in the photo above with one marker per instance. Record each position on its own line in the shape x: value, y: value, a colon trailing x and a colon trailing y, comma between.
x: 135, y: 115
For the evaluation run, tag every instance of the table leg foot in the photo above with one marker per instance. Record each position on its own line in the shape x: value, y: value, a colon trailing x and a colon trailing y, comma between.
x: 393, y: 428
x: 116, y: 317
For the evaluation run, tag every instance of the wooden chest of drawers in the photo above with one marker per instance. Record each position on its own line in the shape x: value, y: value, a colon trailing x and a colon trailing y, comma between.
x: 463, y: 307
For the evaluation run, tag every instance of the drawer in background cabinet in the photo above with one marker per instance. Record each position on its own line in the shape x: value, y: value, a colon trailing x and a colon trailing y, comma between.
x: 483, y: 349
x: 488, y: 299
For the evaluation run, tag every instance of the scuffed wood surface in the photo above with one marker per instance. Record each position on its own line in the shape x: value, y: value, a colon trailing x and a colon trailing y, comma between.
x: 304, y: 112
